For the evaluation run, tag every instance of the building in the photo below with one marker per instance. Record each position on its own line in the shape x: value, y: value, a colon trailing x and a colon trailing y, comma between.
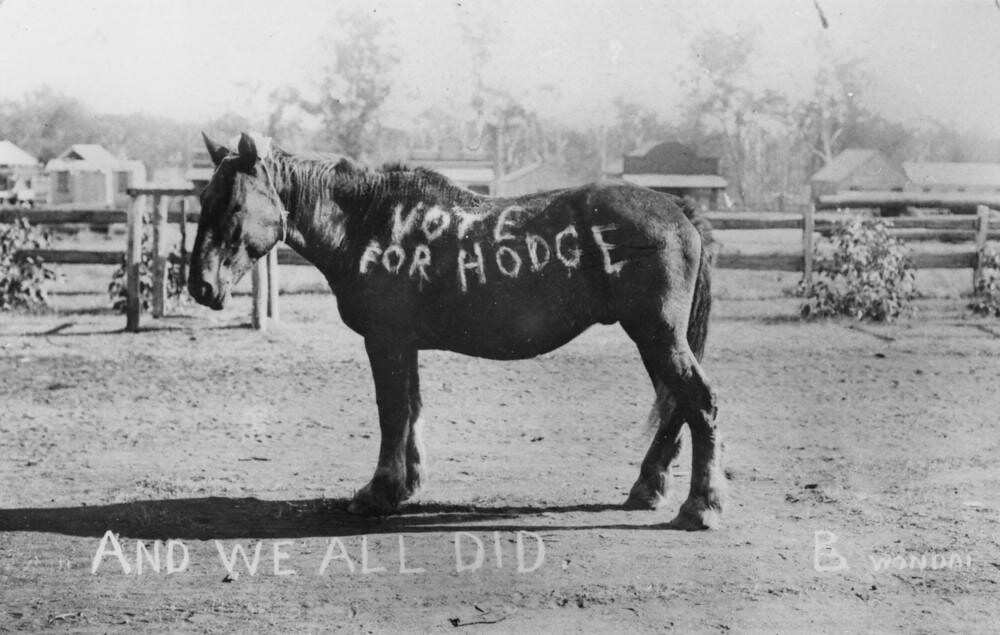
x: 952, y: 178
x: 201, y: 170
x: 18, y: 174
x: 87, y: 174
x: 855, y: 170
x: 536, y: 177
x: 673, y: 168
x: 472, y: 169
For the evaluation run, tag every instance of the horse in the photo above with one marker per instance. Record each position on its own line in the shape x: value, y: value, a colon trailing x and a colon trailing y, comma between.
x: 419, y: 263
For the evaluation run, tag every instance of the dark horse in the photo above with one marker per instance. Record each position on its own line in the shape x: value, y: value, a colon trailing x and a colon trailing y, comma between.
x: 417, y: 262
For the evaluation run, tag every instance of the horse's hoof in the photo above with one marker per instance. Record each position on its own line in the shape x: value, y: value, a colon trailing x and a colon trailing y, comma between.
x: 697, y: 515
x: 643, y: 497
x: 644, y: 501
x: 365, y: 503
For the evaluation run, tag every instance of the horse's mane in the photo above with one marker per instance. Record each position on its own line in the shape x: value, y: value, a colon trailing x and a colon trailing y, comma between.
x: 317, y: 178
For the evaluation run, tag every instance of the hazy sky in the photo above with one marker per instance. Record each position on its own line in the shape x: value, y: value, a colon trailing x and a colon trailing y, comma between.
x: 195, y: 59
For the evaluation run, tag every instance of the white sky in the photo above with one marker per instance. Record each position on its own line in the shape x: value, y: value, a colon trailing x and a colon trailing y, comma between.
x: 196, y: 59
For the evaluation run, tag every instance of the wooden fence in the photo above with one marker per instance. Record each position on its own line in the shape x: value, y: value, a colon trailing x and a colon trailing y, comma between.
x: 949, y: 228
x: 946, y: 228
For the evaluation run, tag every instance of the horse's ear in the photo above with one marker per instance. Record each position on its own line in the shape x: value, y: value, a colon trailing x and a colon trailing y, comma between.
x: 247, y: 149
x: 216, y: 151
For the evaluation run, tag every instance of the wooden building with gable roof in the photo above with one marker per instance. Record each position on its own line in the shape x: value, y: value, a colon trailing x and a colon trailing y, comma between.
x: 949, y: 178
x: 18, y: 173
x: 468, y: 168
x: 674, y: 168
x: 87, y: 174
x: 857, y: 169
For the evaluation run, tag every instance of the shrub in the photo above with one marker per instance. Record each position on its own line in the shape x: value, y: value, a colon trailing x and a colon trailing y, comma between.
x: 866, y: 274
x: 176, y: 286
x: 24, y: 282
x: 986, y: 300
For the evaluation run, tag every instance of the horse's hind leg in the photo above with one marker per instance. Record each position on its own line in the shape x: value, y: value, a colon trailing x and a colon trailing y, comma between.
x: 674, y: 364
x: 704, y: 503
x: 653, y: 484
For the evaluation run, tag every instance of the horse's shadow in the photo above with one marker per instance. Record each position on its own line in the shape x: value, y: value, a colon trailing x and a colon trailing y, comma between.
x: 229, y: 518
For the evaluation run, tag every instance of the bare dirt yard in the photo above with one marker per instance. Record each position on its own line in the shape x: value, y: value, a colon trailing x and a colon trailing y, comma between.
x: 862, y: 464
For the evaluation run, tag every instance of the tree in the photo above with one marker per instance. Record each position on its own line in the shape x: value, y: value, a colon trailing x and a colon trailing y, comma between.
x: 635, y: 126
x: 355, y: 85
x: 228, y: 126
x: 721, y: 98
x: 825, y: 121
x: 46, y: 122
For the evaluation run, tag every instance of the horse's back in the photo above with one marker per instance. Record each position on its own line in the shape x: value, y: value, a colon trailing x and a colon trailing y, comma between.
x: 562, y: 262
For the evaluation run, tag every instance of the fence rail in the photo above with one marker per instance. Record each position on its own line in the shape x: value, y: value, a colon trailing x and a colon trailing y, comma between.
x: 82, y: 216
x: 952, y: 229
x: 974, y: 229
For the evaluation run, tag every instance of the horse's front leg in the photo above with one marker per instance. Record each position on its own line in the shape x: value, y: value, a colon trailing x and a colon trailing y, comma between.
x: 416, y: 470
x: 392, y: 370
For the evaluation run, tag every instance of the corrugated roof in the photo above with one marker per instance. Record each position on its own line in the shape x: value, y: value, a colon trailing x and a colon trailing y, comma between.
x: 89, y: 152
x: 679, y: 181
x: 467, y: 175
x: 90, y: 157
x: 10, y: 154
x: 460, y: 170
x: 644, y: 149
x: 953, y: 174
x: 521, y: 171
x: 81, y: 165
x: 550, y: 168
x: 844, y: 164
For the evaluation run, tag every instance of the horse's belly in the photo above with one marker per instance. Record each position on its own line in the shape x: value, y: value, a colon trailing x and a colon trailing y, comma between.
x: 510, y: 332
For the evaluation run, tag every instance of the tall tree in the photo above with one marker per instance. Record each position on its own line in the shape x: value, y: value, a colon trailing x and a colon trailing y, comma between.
x: 355, y: 84
x: 834, y: 107
x: 722, y: 96
x: 47, y: 122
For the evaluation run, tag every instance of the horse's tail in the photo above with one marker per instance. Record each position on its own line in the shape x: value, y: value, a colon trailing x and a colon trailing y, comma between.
x: 702, y: 304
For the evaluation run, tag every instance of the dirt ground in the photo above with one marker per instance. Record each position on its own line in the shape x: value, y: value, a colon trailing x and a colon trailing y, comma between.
x: 862, y: 462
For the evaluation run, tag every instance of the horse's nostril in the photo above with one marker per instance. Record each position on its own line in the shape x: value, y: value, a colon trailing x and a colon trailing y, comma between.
x: 201, y: 291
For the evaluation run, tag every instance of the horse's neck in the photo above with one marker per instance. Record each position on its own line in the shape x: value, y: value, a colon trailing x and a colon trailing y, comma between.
x: 316, y: 225
x: 324, y: 218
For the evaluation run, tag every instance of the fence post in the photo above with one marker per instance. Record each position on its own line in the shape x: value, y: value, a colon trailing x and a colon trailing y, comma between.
x: 258, y: 315
x: 808, y: 226
x: 183, y: 228
x: 982, y: 231
x: 133, y: 260
x: 161, y: 205
x: 272, y: 284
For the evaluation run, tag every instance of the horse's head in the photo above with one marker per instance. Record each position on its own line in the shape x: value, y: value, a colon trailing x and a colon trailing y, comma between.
x: 242, y: 218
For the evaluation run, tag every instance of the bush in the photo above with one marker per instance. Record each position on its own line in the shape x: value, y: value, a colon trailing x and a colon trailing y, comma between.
x: 868, y: 275
x: 24, y: 282
x: 176, y: 286
x: 986, y: 300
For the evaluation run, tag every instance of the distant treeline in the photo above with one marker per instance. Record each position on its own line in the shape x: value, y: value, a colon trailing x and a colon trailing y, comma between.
x: 769, y: 144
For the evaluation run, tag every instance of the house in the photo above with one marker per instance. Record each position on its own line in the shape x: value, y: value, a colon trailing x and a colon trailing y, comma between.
x: 953, y: 178
x: 857, y: 169
x: 673, y: 168
x: 87, y: 174
x: 472, y: 169
x: 201, y: 170
x: 535, y: 177
x: 18, y: 173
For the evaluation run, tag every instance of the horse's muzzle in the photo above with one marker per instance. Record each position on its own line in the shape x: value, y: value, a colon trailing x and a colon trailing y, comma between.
x: 205, y: 294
